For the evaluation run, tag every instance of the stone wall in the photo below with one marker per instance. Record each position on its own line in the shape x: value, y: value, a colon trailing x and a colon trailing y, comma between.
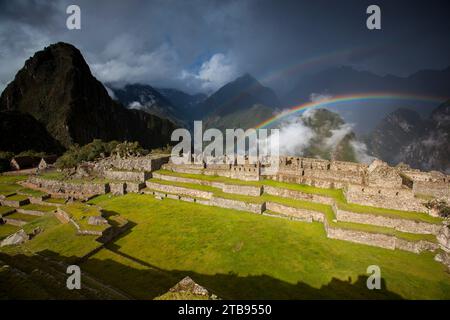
x: 14, y: 203
x: 136, y: 176
x: 225, y: 187
x: 117, y: 188
x: 69, y: 188
x: 134, y: 187
x: 286, y: 193
x: 296, y: 213
x: 179, y: 190
x: 378, y: 240
x: 403, y: 225
x: 147, y: 163
x: 401, y: 199
x: 31, y: 212
x: 444, y: 238
x: 371, y: 239
x: 436, y: 189
x: 237, y: 205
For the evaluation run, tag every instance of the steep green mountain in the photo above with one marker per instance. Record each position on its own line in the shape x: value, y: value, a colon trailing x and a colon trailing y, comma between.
x: 21, y: 132
x: 229, y: 107
x: 332, y: 138
x: 57, y: 88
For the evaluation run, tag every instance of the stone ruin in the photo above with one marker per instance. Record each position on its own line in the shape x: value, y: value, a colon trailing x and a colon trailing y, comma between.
x: 377, y: 184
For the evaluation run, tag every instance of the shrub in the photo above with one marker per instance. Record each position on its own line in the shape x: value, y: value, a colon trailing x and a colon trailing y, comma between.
x: 440, y: 206
x: 31, y: 153
x: 5, y: 158
x: 89, y: 152
x: 98, y: 149
x: 128, y: 149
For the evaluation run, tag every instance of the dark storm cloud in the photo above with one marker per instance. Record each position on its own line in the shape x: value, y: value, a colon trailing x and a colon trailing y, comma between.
x: 198, y: 45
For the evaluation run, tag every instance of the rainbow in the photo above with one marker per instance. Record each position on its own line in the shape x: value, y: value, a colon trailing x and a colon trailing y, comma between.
x: 349, y: 98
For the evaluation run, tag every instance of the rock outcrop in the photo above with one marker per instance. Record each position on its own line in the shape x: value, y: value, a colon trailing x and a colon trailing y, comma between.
x: 16, y: 238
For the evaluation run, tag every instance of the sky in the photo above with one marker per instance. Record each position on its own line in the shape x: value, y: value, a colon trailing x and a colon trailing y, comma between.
x: 199, y: 45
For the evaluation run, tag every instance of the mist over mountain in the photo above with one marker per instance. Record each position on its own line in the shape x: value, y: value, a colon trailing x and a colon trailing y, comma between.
x: 323, y: 134
x: 146, y: 98
x: 57, y: 89
x: 422, y: 143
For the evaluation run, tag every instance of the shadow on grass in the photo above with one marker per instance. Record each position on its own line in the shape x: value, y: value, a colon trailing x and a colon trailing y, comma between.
x: 144, y: 281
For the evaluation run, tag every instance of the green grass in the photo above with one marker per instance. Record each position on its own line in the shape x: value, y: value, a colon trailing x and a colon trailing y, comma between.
x: 303, y: 204
x: 9, y: 188
x: 45, y: 222
x: 239, y: 255
x: 56, y: 200
x: 60, y: 239
x: 6, y: 230
x: 17, y: 197
x: 336, y: 194
x: 4, y: 210
x: 12, y: 178
x: 21, y: 216
x: 81, y: 212
x: 32, y: 192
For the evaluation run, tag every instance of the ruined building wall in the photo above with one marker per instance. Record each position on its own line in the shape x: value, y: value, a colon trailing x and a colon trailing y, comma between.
x: 399, y: 199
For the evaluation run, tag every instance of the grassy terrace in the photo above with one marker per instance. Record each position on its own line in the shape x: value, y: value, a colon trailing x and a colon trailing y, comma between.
x: 17, y: 197
x: 37, y: 207
x: 56, y: 200
x: 6, y: 230
x: 326, y: 209
x: 336, y: 194
x: 80, y: 213
x: 12, y: 179
x: 4, y: 209
x: 21, y: 216
x: 8, y: 188
x: 59, y: 239
x: 240, y: 255
x: 31, y: 192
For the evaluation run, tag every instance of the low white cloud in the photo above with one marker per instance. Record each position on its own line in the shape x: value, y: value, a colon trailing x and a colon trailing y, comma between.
x: 294, y: 138
x: 125, y: 61
x: 315, y: 97
x: 337, y: 135
x: 135, y: 105
x: 361, y: 152
x: 110, y: 93
x: 213, y: 73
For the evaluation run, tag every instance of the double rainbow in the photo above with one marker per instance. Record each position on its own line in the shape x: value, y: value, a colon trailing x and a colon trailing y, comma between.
x: 350, y: 98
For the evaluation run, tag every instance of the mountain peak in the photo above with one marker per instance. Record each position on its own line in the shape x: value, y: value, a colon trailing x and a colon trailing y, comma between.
x: 57, y: 88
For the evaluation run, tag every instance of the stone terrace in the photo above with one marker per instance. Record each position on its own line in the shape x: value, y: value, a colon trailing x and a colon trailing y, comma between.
x: 376, y: 205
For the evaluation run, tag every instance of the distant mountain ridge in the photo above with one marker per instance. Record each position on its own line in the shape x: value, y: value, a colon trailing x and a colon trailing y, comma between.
x: 56, y: 87
x: 347, y: 80
x: 242, y: 103
x: 403, y: 136
x: 146, y: 98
